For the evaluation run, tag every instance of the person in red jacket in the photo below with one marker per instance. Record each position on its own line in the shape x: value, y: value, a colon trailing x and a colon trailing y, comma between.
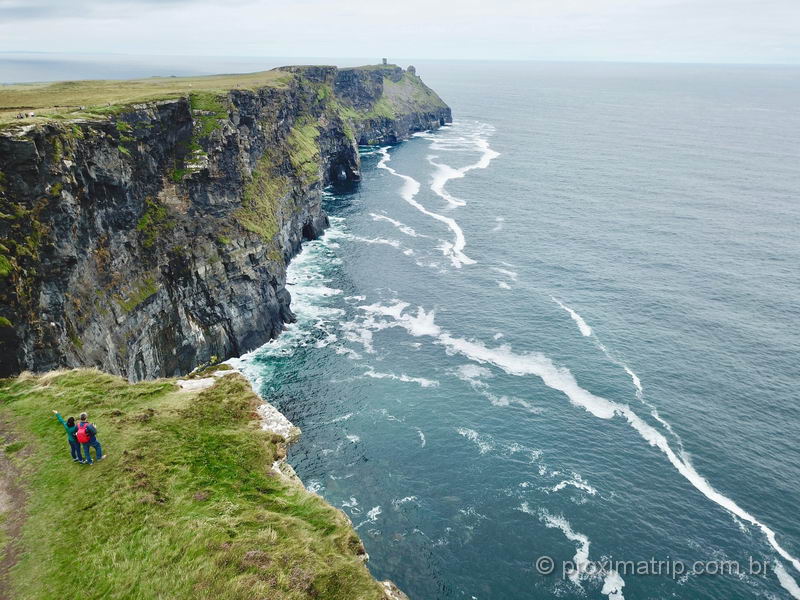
x: 86, y: 434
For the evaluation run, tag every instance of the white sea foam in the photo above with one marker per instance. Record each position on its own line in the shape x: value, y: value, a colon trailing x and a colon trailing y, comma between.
x: 352, y: 504
x: 472, y: 137
x: 500, y: 221
x: 340, y: 419
x: 422, y: 440
x: 585, y: 330
x: 496, y: 400
x: 561, y: 379
x: 441, y: 176
x: 613, y: 582
x: 483, y: 443
x: 349, y: 352
x: 558, y: 378
x: 639, y: 392
x: 314, y: 486
x: 582, y: 542
x: 512, y: 275
x: 612, y: 586
x: 400, y: 501
x: 311, y: 292
x: 503, y: 285
x: 421, y: 381
x: 410, y: 189
x: 516, y: 448
x: 379, y: 241
x: 637, y: 383
x: 577, y: 482
x: 403, y: 228
x: 786, y: 581
x: 358, y: 334
x: 353, y: 438
x: 326, y: 341
x: 372, y: 516
x: 474, y: 374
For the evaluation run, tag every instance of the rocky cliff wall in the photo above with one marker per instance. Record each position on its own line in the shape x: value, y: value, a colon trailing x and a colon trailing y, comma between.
x: 156, y: 238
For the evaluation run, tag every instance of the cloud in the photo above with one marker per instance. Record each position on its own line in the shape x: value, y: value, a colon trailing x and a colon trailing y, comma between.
x: 17, y: 10
x: 640, y: 30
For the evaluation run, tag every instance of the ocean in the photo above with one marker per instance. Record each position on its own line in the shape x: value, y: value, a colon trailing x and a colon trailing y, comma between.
x: 563, y: 327
x: 562, y: 330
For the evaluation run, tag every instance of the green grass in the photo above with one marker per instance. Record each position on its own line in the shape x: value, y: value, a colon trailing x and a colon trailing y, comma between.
x: 13, y: 447
x: 409, y: 94
x: 142, y: 292
x: 177, y: 174
x: 381, y: 109
x: 154, y: 223
x: 110, y: 97
x: 5, y: 266
x: 208, y: 109
x: 261, y: 198
x: 185, y: 507
x: 304, y: 150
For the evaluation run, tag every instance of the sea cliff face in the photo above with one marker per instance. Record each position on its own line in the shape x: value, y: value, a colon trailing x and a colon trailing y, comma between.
x: 156, y: 238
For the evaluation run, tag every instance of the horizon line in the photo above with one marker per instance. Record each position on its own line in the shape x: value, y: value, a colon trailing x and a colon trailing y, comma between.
x: 732, y: 62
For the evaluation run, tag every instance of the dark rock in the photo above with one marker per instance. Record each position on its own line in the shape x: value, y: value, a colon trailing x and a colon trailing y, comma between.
x: 133, y: 253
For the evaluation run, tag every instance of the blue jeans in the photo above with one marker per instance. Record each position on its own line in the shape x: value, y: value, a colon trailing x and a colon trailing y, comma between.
x: 97, y: 450
x: 75, y: 450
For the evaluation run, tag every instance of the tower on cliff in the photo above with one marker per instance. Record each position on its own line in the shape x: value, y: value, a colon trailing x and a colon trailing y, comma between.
x: 385, y: 61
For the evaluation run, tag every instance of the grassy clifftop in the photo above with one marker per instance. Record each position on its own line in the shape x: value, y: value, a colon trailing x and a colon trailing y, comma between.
x: 186, y: 505
x: 402, y: 92
x: 75, y: 99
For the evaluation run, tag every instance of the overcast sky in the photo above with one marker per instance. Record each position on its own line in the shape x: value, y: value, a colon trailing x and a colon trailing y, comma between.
x: 629, y: 30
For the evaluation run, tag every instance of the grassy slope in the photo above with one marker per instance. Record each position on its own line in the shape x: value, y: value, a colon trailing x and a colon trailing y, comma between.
x: 184, y: 507
x: 64, y: 98
x: 408, y: 95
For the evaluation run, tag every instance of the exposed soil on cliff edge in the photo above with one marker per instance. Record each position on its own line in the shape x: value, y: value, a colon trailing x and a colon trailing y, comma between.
x: 12, y: 502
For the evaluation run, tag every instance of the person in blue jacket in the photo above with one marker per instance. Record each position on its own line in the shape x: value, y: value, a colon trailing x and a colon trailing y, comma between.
x: 71, y: 428
x: 86, y: 434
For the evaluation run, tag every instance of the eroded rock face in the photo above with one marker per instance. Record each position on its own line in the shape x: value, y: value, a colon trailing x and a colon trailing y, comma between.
x: 152, y: 241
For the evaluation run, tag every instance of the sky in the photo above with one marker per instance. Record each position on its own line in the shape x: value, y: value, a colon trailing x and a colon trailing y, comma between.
x: 738, y: 31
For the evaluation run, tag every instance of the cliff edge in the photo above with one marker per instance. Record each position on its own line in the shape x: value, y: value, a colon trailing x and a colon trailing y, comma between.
x: 202, y: 510
x: 145, y: 226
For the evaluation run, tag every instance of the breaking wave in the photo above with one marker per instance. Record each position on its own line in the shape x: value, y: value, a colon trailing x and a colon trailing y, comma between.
x: 470, y: 137
x: 586, y: 331
x: 454, y: 251
x: 561, y: 379
x: 612, y: 583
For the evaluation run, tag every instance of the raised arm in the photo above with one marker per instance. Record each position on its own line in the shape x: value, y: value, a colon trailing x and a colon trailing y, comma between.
x: 61, y: 420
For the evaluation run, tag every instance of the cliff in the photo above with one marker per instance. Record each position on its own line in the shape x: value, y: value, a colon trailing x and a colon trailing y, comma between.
x: 151, y: 233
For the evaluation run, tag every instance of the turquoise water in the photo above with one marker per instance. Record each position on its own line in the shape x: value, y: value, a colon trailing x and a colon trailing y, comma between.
x: 564, y: 326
